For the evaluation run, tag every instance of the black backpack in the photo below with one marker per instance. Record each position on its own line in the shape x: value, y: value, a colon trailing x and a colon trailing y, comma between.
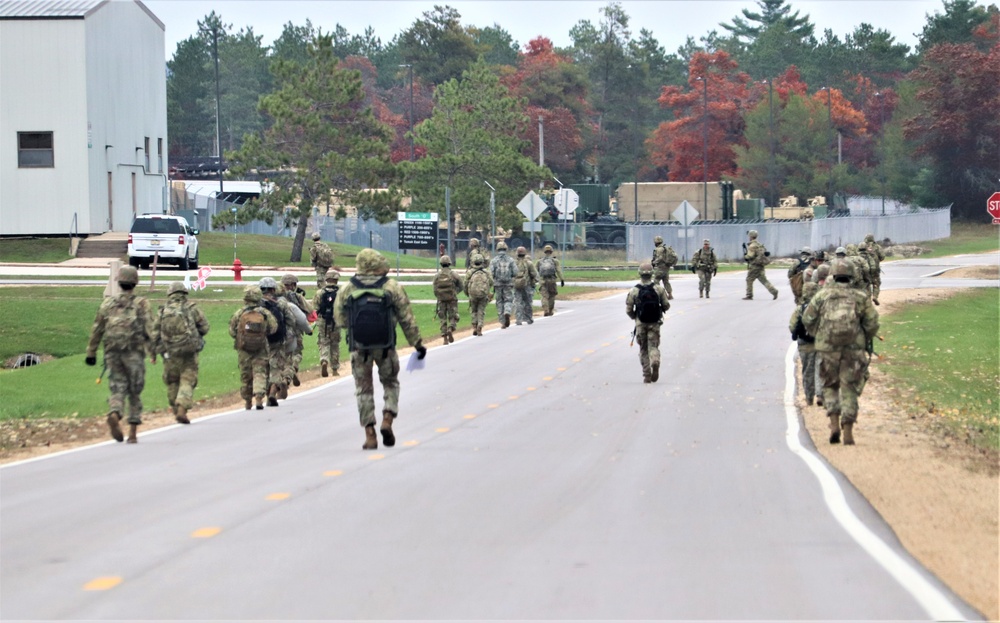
x: 372, y: 323
x: 800, y: 332
x: 278, y: 336
x: 647, y: 304
x: 326, y: 299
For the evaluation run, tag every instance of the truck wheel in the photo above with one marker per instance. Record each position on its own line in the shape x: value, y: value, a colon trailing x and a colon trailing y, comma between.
x: 593, y: 240
x: 134, y: 261
x: 185, y: 264
x: 618, y: 240
x: 194, y: 262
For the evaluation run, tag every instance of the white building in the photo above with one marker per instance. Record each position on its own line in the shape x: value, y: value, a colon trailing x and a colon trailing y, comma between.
x: 83, y: 115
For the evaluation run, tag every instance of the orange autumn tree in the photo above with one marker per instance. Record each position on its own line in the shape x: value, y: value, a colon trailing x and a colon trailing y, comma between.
x: 678, y: 146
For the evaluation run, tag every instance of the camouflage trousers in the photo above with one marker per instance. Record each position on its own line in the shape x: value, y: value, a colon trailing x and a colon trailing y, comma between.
x: 126, y: 380
x: 756, y: 273
x: 180, y: 374
x: 876, y: 285
x: 321, y: 272
x: 548, y: 293
x: 662, y: 275
x: 293, y: 356
x: 704, y: 280
x: 807, y: 355
x: 505, y: 300
x: 477, y: 310
x: 277, y: 365
x: 328, y: 340
x: 253, y: 373
x: 387, y: 362
x: 523, y: 298
x: 647, y: 334
x: 447, y: 313
x: 843, y: 374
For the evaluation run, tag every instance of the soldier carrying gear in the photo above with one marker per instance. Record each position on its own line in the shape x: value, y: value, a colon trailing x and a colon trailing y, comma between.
x: 250, y: 327
x: 471, y: 251
x: 549, y: 271
x: 327, y: 330
x: 757, y: 257
x: 447, y: 284
x: 525, y: 279
x: 664, y: 258
x: 796, y: 274
x: 645, y: 304
x: 278, y: 342
x: 179, y: 335
x: 503, y: 268
x: 295, y: 297
x: 478, y: 287
x: 321, y: 258
x: 706, y: 265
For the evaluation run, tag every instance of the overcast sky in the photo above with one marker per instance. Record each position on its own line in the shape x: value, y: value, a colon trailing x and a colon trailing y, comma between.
x: 670, y: 21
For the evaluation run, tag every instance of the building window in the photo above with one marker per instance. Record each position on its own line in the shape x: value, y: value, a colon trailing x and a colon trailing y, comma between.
x: 34, y: 149
x: 159, y: 153
x: 146, y: 148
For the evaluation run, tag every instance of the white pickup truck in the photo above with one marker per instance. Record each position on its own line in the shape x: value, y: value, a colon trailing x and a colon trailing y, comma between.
x: 169, y: 236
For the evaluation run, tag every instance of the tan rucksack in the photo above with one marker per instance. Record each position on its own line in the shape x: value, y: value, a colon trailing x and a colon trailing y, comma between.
x: 251, y: 333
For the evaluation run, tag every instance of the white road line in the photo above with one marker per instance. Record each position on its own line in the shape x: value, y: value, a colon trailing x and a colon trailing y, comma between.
x: 937, y: 606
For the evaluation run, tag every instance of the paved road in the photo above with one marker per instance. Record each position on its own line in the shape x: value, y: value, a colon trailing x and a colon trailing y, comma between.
x: 536, y: 476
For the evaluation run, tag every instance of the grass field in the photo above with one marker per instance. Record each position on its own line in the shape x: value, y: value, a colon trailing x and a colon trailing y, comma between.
x: 965, y: 238
x: 945, y: 360
x: 30, y: 250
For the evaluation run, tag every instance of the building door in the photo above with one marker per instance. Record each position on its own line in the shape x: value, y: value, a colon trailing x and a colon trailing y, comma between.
x: 111, y: 204
x: 135, y: 197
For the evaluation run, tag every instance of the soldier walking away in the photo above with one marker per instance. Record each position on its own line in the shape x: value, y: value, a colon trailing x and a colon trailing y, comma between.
x: 664, y: 257
x: 525, y: 280
x: 295, y: 296
x: 796, y: 274
x: 646, y: 303
x: 503, y: 268
x: 807, y: 349
x: 370, y: 305
x: 704, y: 263
x: 250, y: 327
x: 479, y: 289
x: 327, y: 329
x: 844, y: 322
x: 321, y: 258
x: 179, y: 335
x: 124, y: 323
x: 447, y: 284
x: 473, y: 250
x: 278, y: 342
x: 757, y: 257
x: 875, y: 257
x: 549, y: 271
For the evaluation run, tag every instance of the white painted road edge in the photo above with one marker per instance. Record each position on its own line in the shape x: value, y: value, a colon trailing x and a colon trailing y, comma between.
x: 937, y: 606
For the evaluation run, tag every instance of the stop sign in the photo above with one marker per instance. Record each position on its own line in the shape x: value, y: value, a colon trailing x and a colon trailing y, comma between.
x: 993, y: 207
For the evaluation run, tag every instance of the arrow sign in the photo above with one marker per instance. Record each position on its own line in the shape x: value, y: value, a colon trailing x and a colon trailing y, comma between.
x: 531, y: 205
x: 567, y: 201
x: 685, y: 213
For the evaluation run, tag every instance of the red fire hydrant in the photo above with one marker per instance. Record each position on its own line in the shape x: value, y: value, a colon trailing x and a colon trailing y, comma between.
x: 238, y: 269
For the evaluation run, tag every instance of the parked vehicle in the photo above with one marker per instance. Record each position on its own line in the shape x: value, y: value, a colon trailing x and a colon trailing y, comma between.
x: 165, y: 236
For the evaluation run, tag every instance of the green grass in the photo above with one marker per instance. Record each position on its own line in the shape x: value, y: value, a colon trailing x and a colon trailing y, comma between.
x: 32, y: 250
x: 965, y: 238
x: 945, y: 360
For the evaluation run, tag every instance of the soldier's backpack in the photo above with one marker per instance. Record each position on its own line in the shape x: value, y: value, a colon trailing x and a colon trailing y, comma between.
x: 278, y: 336
x: 251, y: 332
x: 122, y: 327
x: 763, y: 257
x: 324, y: 255
x: 521, y: 276
x: 326, y: 300
x: 547, y: 268
x: 444, y: 286
x: 504, y: 272
x: 647, y: 304
x: 796, y: 281
x: 479, y: 284
x: 670, y: 256
x: 178, y: 331
x: 372, y: 322
x: 839, y: 321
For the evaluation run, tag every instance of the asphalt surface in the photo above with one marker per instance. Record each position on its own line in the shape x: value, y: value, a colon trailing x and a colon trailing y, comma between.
x: 535, y: 477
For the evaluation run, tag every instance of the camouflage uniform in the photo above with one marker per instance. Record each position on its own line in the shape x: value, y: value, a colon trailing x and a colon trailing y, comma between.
x: 125, y: 325
x: 502, y: 268
x: 295, y: 296
x: 843, y: 370
x: 704, y: 263
x: 547, y: 290
x: 794, y: 279
x: 756, y: 261
x: 875, y: 258
x: 278, y: 377
x: 316, y: 253
x: 807, y: 349
x: 663, y: 258
x: 253, y: 366
x: 180, y: 369
x: 372, y: 267
x: 647, y: 333
x: 447, y: 302
x: 474, y: 248
x: 860, y: 268
x: 328, y: 332
x: 474, y: 278
x: 525, y: 279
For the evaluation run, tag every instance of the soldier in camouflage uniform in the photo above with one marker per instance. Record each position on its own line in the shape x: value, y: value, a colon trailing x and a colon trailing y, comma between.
x: 664, y: 257
x: 124, y: 323
x: 474, y: 248
x: 282, y: 343
x: 447, y: 285
x: 372, y: 276
x: 253, y: 365
x: 875, y: 258
x: 525, y: 279
x: 757, y: 258
x: 796, y: 274
x: 647, y: 333
x: 327, y: 329
x: 704, y: 263
x: 479, y: 288
x: 180, y: 355
x: 503, y: 268
x: 295, y: 296
x: 844, y: 322
x: 806, y: 342
x: 860, y: 268
x: 321, y: 258
x: 549, y: 271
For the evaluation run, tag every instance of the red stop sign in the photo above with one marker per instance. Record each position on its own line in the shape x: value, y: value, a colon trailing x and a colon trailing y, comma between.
x: 993, y: 207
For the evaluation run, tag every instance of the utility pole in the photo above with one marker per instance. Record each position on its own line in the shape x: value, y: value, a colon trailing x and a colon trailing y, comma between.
x: 410, y: 67
x: 704, y: 130
x: 218, y: 134
x: 541, y: 151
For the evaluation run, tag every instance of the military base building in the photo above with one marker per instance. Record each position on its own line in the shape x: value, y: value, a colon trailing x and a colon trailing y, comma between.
x: 83, y: 116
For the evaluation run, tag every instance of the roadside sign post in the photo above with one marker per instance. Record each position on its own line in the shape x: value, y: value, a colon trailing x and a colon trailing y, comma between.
x: 418, y: 230
x: 567, y: 201
x: 993, y: 207
x: 685, y: 213
x: 531, y: 206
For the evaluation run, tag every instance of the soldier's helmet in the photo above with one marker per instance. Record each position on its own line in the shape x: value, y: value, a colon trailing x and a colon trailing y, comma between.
x: 870, y: 238
x: 752, y: 233
x: 852, y: 249
x: 473, y: 242
x: 706, y: 241
x: 809, y: 290
x: 521, y: 251
x: 840, y: 268
x: 175, y: 287
x: 822, y: 272
x: 445, y: 260
x: 371, y: 262
x: 252, y: 294
x: 548, y: 249
x: 128, y: 275
x: 840, y: 251
x: 332, y: 276
x: 645, y: 269
x: 863, y: 249
x: 267, y: 283
x: 501, y: 246
x: 477, y: 260
x: 806, y: 251
x: 316, y: 235
x: 658, y: 240
x: 289, y: 280
x: 819, y: 255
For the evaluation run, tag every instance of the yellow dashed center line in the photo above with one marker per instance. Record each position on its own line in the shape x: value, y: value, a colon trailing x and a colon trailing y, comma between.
x: 376, y: 457
x: 547, y: 378
x: 515, y: 397
x: 561, y: 369
x: 205, y: 533
x: 103, y: 583
x: 576, y: 360
x: 411, y: 442
x: 441, y: 430
x: 606, y: 344
x: 333, y: 472
x: 278, y: 496
x: 588, y: 351
x: 471, y: 416
x: 531, y: 389
x: 492, y: 406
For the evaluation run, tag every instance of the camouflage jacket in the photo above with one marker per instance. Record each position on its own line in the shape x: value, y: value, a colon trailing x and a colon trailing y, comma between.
x: 526, y: 276
x: 191, y: 311
x: 234, y: 322
x: 126, y: 312
x: 663, y: 257
x: 704, y: 260
x: 315, y: 255
x: 866, y: 312
x: 556, y: 277
x: 398, y: 300
x: 634, y: 292
x: 755, y: 254
x: 501, y: 265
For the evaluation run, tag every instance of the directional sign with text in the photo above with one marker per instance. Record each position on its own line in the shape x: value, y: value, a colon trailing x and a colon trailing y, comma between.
x: 418, y: 230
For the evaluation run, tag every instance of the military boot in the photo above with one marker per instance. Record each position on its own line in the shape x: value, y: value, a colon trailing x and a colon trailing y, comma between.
x: 444, y: 337
x: 654, y: 375
x: 708, y: 294
x: 295, y: 380
x: 451, y: 336
x: 113, y: 425
x: 181, y: 415
x: 775, y: 295
x: 283, y: 391
x: 748, y: 297
x: 834, y: 429
x: 248, y: 404
x: 335, y: 369
x: 324, y: 370
x: 506, y: 321
x: 388, y: 439
x: 848, y: 433
x: 371, y: 441
x: 260, y: 403
x: 701, y: 294
x: 272, y: 396
x: 131, y: 434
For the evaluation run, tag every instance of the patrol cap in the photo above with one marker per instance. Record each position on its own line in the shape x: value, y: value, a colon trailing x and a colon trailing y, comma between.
x: 445, y: 260
x: 128, y: 275
x: 840, y: 251
x: 268, y: 283
x: 501, y: 246
x: 332, y: 276
x: 548, y: 248
x: 252, y: 294
x: 288, y: 279
x: 645, y: 269
x: 175, y: 287
x: 316, y: 235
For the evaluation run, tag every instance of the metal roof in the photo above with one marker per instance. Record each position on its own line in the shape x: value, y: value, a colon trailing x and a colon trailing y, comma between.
x: 48, y: 9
